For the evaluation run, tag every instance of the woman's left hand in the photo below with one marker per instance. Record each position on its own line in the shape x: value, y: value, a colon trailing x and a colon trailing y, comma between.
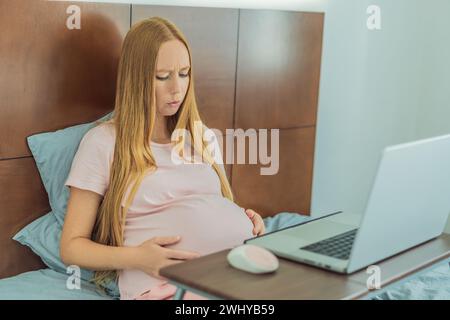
x: 258, y: 222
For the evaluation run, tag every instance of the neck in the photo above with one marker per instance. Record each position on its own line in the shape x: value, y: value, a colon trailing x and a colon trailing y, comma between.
x: 160, y: 132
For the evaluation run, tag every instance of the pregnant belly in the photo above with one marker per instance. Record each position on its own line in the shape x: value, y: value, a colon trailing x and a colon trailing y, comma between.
x: 206, y: 224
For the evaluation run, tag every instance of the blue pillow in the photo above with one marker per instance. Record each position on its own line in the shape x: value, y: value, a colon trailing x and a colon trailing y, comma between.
x: 53, y: 153
x: 43, y: 236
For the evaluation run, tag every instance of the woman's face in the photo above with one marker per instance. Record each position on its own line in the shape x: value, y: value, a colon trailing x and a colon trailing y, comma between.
x: 172, y: 77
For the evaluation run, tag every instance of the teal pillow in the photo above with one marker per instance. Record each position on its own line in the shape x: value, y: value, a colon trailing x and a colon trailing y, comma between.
x: 53, y: 153
x: 43, y: 236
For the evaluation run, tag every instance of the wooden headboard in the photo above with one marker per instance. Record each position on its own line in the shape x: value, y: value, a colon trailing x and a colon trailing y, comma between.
x: 253, y: 69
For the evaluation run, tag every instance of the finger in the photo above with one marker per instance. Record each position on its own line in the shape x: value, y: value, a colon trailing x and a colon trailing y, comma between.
x: 255, y: 226
x: 166, y: 240
x: 259, y: 223
x: 181, y: 254
x: 259, y: 227
x: 251, y: 214
x: 261, y: 231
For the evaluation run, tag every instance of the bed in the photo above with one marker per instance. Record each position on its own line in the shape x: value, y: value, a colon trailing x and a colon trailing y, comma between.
x: 49, y: 284
x: 429, y: 283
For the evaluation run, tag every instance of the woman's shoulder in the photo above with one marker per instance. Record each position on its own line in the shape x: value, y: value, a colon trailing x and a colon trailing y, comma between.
x: 102, y: 133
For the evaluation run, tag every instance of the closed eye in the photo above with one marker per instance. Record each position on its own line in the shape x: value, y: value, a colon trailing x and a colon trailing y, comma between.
x: 181, y: 75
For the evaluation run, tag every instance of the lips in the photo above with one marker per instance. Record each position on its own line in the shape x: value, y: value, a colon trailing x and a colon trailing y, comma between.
x: 174, y: 104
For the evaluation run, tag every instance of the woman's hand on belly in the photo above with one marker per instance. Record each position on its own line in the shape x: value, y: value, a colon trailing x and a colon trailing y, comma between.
x: 258, y: 222
x: 151, y: 256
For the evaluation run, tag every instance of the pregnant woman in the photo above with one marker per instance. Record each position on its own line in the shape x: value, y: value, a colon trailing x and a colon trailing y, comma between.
x: 137, y: 203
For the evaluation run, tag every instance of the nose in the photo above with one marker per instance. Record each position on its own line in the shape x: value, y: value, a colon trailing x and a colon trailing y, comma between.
x: 175, y: 86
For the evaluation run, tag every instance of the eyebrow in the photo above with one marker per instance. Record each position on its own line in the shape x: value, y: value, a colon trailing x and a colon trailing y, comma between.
x: 167, y: 70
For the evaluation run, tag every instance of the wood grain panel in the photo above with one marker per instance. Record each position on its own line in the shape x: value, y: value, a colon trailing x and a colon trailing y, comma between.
x: 212, y: 36
x: 51, y: 77
x: 278, y: 69
x: 287, y: 190
x: 22, y: 200
x: 56, y: 77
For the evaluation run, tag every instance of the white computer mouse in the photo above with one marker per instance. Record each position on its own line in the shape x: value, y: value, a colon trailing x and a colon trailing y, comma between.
x: 253, y: 259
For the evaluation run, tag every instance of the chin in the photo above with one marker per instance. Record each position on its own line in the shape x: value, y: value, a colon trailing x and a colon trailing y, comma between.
x: 169, y: 112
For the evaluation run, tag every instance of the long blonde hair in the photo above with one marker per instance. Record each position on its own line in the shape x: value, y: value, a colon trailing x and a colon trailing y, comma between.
x: 133, y: 119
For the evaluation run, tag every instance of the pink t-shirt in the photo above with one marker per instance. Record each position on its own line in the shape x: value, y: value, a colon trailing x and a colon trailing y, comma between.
x: 177, y: 199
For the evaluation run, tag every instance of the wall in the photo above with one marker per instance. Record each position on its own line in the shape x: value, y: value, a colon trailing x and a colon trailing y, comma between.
x: 399, y: 73
x: 433, y: 116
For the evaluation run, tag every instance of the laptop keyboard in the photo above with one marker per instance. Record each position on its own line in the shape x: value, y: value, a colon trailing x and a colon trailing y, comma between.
x: 337, y: 247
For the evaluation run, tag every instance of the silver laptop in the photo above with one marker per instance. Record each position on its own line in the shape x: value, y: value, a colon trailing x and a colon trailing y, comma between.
x: 408, y: 205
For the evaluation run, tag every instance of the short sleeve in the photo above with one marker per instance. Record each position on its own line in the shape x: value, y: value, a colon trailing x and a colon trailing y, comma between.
x: 91, y: 163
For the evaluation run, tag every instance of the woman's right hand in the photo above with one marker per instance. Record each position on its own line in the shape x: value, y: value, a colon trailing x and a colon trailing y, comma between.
x: 152, y: 256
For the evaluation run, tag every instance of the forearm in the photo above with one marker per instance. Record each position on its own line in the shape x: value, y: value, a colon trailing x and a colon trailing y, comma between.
x: 88, y: 254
